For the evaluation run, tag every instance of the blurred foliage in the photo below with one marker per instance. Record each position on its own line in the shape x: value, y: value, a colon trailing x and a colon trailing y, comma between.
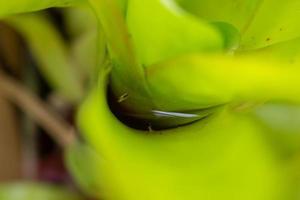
x: 178, y: 57
x: 35, y: 191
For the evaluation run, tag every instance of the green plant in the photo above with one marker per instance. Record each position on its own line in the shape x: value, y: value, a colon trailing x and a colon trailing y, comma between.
x: 195, y: 73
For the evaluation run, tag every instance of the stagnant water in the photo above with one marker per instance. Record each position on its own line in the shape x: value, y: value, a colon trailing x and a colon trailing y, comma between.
x: 155, y: 120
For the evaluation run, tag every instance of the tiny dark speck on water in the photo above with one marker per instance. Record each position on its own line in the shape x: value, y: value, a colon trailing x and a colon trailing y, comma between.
x: 268, y: 39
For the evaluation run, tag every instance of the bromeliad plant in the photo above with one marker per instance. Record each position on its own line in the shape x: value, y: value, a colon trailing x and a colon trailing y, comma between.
x: 174, y: 113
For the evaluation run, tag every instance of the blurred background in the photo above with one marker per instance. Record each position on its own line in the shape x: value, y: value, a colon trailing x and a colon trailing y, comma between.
x: 27, y: 152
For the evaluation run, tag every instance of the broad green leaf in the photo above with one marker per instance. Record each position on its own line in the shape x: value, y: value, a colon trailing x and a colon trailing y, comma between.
x: 211, y: 80
x: 161, y: 30
x: 35, y: 191
x: 286, y: 53
x: 224, y: 157
x: 86, y: 173
x: 21, y: 6
x: 273, y: 22
x: 51, y: 54
x: 261, y: 22
x: 235, y: 12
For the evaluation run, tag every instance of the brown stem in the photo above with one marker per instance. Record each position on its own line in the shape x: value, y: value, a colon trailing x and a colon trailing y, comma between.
x: 57, y: 128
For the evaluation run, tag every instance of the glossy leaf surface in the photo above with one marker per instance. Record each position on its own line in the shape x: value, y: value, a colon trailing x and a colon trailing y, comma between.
x: 225, y: 157
x: 273, y: 22
x: 161, y: 30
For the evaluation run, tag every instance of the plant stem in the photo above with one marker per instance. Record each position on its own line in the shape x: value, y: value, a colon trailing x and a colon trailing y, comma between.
x: 127, y: 76
x: 57, y: 128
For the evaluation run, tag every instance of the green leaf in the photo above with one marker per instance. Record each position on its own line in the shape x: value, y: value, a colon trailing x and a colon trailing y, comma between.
x: 272, y: 23
x: 224, y: 157
x: 79, y: 20
x: 123, y: 5
x: 126, y: 71
x: 205, y: 81
x: 51, y: 54
x: 87, y: 54
x: 235, y: 12
x: 114, y: 27
x: 286, y: 53
x: 261, y: 22
x: 82, y: 26
x: 231, y: 35
x: 21, y: 6
x: 161, y: 30
x: 87, y: 174
x: 35, y: 191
